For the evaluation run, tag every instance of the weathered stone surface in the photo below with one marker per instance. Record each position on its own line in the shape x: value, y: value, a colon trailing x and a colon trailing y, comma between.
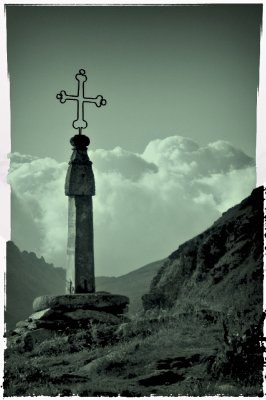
x: 55, y: 324
x: 19, y: 331
x: 80, y: 187
x: 91, y: 301
x: 80, y: 254
x: 80, y: 178
x: 22, y: 324
x: 97, y: 316
x: 25, y: 340
x: 32, y: 325
x: 93, y: 366
x: 48, y: 313
x: 162, y: 378
x: 102, y: 363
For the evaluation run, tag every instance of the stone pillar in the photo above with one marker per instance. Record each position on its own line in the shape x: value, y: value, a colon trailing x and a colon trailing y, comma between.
x: 80, y: 187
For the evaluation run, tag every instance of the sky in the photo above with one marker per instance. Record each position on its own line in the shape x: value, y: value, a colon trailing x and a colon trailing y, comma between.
x: 172, y: 149
x: 191, y: 71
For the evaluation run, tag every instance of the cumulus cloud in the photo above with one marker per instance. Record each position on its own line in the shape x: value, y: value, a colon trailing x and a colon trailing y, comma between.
x: 145, y: 204
x: 38, y: 186
x: 184, y: 156
x: 118, y: 160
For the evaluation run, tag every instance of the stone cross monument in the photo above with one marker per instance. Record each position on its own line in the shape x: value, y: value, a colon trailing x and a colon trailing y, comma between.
x: 81, y: 305
x: 80, y: 187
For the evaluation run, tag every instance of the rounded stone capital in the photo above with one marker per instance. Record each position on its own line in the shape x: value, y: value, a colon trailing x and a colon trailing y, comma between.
x: 80, y: 142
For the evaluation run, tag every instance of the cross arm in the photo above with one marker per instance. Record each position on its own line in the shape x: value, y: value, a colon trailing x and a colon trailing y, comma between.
x: 98, y: 101
x: 62, y: 96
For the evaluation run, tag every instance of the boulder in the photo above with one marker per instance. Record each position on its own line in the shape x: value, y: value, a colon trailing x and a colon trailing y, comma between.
x: 112, y: 303
x: 93, y: 366
x: 34, y: 337
x: 25, y: 340
x: 23, y: 326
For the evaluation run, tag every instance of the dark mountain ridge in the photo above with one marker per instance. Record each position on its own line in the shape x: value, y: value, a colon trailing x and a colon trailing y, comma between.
x: 27, y: 277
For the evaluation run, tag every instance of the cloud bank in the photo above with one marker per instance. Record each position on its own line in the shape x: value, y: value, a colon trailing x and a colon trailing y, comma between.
x: 145, y: 204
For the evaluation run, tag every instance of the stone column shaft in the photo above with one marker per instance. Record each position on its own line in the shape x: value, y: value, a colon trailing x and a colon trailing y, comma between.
x: 80, y: 187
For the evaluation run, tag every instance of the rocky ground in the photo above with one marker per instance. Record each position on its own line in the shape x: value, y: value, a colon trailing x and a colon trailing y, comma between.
x: 159, y: 353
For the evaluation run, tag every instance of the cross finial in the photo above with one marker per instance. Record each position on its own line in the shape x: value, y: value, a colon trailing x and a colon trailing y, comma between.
x: 80, y: 98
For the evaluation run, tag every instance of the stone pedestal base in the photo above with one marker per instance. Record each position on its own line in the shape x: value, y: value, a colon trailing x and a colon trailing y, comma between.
x: 100, y: 301
x: 68, y: 314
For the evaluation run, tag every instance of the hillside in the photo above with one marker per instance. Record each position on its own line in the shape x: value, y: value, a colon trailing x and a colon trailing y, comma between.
x: 221, y: 269
x: 29, y: 277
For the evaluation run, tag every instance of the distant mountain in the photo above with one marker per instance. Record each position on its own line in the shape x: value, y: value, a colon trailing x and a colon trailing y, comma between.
x: 134, y: 284
x: 28, y: 277
x: 221, y: 269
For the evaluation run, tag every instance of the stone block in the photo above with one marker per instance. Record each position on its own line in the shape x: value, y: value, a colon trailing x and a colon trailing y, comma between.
x: 55, y: 324
x: 48, y: 313
x: 19, y: 330
x: 22, y: 324
x: 97, y: 316
x: 112, y: 303
x: 32, y: 325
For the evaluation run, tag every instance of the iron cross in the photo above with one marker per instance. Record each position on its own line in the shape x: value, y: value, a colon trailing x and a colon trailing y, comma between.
x: 80, y: 98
